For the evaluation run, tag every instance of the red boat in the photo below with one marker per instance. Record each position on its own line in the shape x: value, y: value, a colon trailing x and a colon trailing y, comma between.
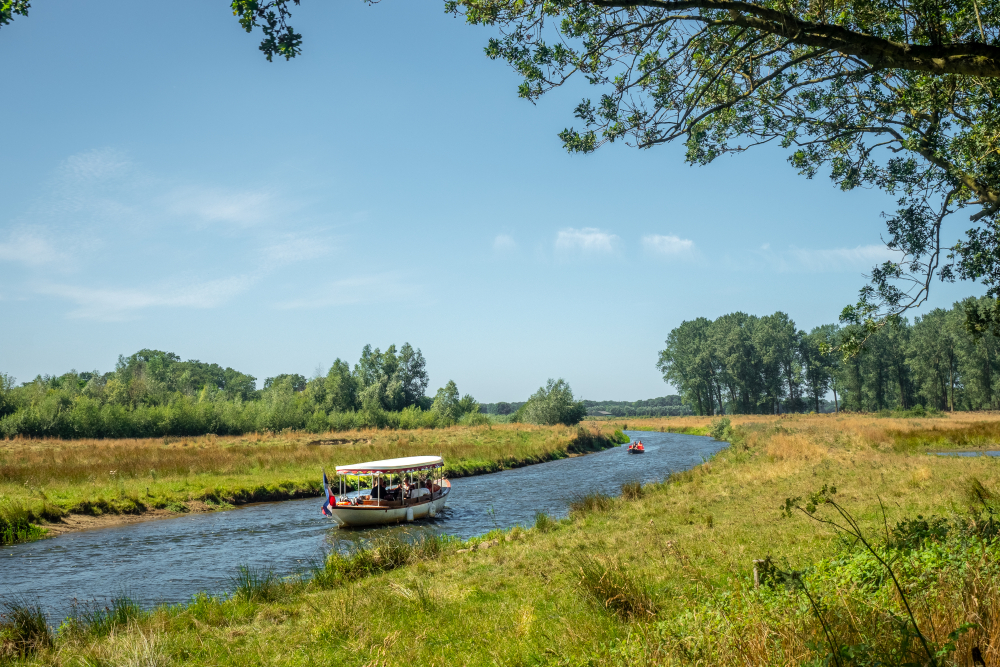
x: 636, y: 448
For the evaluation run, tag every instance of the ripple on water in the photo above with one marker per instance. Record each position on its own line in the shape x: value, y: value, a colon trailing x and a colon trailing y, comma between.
x: 169, y: 560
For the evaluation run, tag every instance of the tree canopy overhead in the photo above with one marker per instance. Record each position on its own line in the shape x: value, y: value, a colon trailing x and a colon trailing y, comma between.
x: 898, y: 95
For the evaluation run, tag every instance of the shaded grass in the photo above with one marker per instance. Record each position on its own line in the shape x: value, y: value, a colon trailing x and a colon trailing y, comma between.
x: 16, y: 523
x: 255, y: 584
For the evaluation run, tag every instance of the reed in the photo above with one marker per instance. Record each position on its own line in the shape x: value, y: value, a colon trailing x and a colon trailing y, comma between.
x: 382, y: 553
x: 93, y: 619
x: 255, y: 584
x: 24, y: 629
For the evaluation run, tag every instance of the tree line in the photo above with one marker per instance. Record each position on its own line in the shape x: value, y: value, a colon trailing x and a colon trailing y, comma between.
x: 745, y: 364
x: 663, y: 406
x: 154, y: 393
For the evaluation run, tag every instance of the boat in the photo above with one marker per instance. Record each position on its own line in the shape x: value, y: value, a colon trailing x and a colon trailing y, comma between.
x: 636, y: 447
x: 400, y: 490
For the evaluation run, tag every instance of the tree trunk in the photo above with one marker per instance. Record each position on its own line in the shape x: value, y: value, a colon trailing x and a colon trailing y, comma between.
x: 836, y: 405
x: 951, y: 381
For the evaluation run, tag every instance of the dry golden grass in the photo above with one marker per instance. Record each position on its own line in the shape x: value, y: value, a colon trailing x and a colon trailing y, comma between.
x: 132, y: 476
x: 522, y: 601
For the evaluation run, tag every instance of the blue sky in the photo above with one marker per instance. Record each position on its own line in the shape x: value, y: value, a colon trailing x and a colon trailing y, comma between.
x: 164, y: 186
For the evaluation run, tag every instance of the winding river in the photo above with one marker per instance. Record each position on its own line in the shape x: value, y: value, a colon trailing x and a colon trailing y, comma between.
x: 169, y: 560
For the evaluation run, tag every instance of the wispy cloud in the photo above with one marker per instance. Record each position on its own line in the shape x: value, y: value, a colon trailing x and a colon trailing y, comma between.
x: 362, y: 289
x: 839, y: 259
x: 103, y: 220
x: 588, y: 240
x: 667, y: 245
x: 31, y: 247
x: 504, y: 243
x: 122, y: 303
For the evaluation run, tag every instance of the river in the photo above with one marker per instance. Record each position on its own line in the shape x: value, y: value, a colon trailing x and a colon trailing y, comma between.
x: 169, y: 560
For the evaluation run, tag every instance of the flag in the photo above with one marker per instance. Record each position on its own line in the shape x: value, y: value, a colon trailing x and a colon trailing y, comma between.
x: 330, y: 500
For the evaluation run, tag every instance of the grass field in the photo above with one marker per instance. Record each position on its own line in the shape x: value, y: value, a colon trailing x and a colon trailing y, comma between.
x: 662, y: 574
x: 42, y: 480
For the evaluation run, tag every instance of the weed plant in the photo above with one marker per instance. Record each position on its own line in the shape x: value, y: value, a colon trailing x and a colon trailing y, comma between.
x: 632, y: 490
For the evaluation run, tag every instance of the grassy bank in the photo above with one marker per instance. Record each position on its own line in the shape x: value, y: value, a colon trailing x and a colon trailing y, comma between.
x: 660, y: 575
x: 43, y: 480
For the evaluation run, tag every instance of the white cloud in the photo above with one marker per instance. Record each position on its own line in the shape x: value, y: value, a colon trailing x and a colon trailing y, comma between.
x: 504, y: 243
x: 118, y: 303
x: 841, y: 259
x: 670, y: 245
x: 30, y: 247
x: 589, y: 240
x: 294, y: 249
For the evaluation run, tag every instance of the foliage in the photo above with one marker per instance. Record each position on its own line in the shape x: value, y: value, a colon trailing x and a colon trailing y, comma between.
x: 740, y: 364
x: 553, y: 404
x: 664, y: 406
x: 154, y: 393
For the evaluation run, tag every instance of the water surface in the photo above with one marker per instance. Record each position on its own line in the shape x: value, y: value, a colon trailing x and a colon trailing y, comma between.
x: 169, y: 560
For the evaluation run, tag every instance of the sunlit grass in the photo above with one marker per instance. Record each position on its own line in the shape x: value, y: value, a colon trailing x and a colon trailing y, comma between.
x: 662, y: 574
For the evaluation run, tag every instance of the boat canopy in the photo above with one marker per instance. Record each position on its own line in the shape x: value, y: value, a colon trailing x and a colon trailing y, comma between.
x: 407, y: 464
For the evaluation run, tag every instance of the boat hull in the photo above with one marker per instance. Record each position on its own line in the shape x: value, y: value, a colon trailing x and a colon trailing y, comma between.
x: 350, y: 516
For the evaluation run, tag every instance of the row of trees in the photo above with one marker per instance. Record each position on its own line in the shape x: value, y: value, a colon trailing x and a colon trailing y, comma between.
x: 746, y: 364
x: 154, y: 393
x: 664, y: 406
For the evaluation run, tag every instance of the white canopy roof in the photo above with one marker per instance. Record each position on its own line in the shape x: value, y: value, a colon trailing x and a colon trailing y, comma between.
x: 407, y: 464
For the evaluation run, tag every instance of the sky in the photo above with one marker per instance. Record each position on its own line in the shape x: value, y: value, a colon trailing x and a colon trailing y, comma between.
x: 163, y: 186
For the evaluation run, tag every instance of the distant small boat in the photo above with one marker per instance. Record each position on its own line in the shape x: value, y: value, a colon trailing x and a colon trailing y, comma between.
x: 636, y: 448
x: 411, y: 497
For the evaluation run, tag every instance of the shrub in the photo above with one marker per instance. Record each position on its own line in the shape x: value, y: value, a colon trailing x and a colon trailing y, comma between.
x: 721, y: 429
x: 552, y: 404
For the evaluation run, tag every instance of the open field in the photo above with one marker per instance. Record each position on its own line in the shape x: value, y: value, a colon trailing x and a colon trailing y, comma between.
x: 660, y: 575
x: 45, y: 480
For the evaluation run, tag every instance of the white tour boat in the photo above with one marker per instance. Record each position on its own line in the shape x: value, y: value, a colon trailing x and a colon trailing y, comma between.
x: 401, y: 490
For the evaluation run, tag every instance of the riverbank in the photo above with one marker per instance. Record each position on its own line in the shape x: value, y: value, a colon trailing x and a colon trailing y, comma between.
x: 76, y: 484
x: 663, y: 574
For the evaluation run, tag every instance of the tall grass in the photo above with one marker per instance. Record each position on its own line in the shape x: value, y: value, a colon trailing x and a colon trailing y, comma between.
x: 16, y: 523
x: 382, y: 553
x: 94, y: 619
x: 255, y: 584
x: 23, y: 628
x: 589, y: 503
x: 616, y: 587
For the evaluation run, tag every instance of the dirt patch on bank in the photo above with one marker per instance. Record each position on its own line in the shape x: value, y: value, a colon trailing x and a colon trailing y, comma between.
x: 72, y: 523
